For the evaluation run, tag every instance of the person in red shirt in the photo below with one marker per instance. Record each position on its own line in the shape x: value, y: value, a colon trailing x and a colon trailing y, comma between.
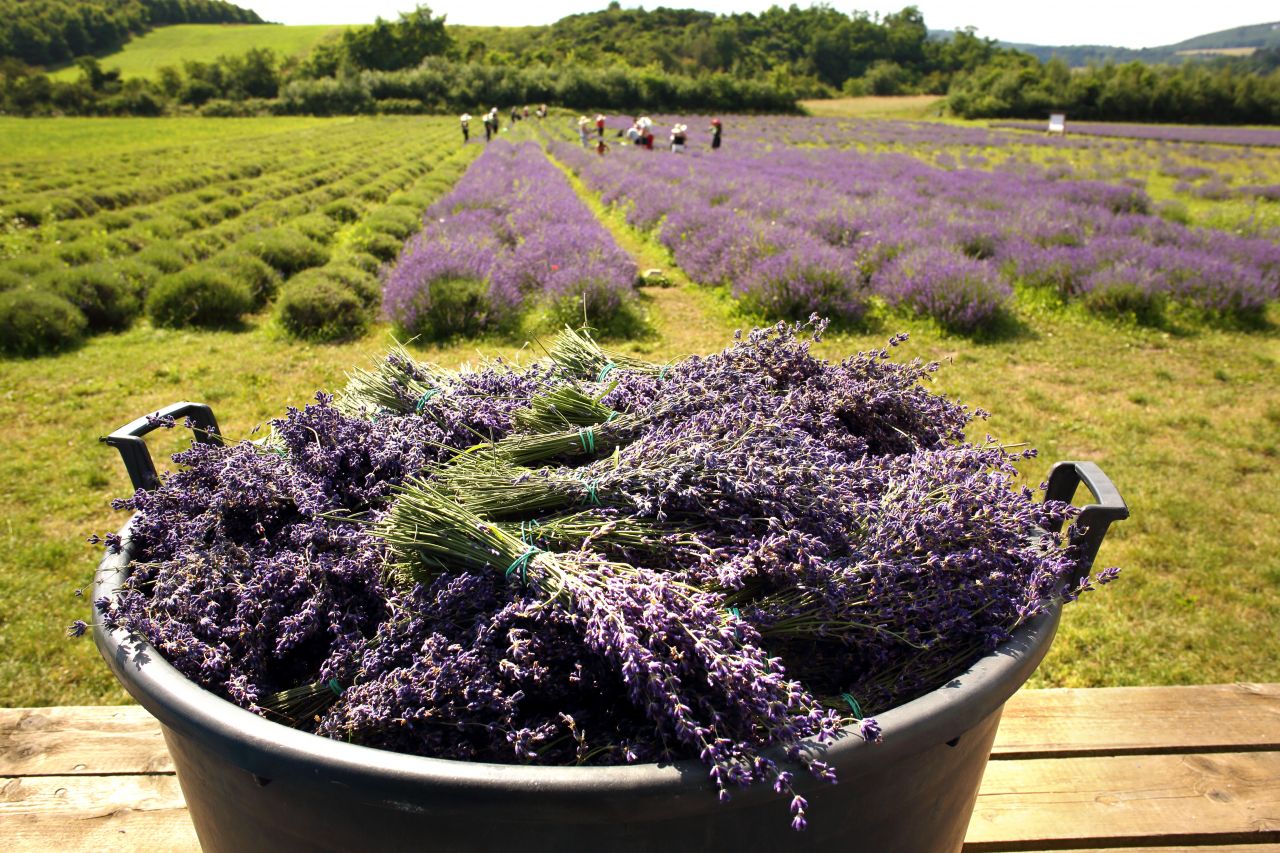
x: 715, y: 133
x: 600, y: 124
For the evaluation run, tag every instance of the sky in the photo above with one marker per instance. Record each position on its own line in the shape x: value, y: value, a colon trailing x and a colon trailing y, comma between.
x: 1138, y: 23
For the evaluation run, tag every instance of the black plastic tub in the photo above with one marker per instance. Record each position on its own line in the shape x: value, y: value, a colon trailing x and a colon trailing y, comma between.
x: 251, y: 784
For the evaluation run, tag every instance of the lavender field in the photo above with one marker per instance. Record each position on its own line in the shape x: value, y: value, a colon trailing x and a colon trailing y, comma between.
x: 845, y: 231
x: 1106, y: 299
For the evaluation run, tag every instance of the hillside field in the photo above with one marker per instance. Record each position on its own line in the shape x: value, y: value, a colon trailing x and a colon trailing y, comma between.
x: 1182, y: 413
x: 146, y: 55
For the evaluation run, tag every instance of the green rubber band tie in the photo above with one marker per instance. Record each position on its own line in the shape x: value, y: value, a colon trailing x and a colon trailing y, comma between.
x: 612, y: 415
x: 422, y: 401
x: 334, y: 686
x: 521, y: 565
x: 605, y: 371
x: 853, y: 705
x: 736, y: 614
x: 588, y: 438
x: 592, y: 498
x: 662, y: 374
x: 527, y: 536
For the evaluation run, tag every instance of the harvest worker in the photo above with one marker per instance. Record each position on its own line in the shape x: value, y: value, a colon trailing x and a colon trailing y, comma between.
x: 466, y: 126
x: 678, y: 137
x: 582, y: 130
x: 715, y: 133
x: 600, y: 124
x: 601, y: 147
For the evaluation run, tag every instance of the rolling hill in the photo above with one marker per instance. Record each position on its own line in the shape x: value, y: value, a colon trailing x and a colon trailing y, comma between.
x: 1237, y: 40
x: 145, y: 55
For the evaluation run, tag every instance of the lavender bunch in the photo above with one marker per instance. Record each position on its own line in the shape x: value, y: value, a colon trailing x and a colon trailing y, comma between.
x: 686, y: 660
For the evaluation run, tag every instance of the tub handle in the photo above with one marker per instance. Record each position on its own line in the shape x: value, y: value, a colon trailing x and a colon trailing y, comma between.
x: 134, y: 452
x: 1094, y: 519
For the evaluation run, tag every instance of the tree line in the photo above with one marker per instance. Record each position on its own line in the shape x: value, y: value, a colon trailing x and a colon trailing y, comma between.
x: 53, y: 32
x: 1228, y: 90
x: 633, y: 60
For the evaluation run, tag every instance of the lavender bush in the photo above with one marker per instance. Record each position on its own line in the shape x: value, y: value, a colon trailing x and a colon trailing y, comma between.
x: 596, y: 560
x: 511, y: 240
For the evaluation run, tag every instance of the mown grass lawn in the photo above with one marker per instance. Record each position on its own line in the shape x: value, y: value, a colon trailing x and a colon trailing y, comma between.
x: 145, y: 55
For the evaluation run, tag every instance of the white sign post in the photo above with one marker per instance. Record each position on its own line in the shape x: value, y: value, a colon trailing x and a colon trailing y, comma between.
x: 1058, y: 123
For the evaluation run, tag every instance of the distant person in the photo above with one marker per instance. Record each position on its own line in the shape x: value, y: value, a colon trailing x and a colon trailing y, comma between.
x: 542, y: 111
x: 466, y: 127
x: 525, y: 112
x: 679, y: 137
x: 515, y: 116
x: 601, y: 147
x: 490, y: 124
x: 583, y: 132
x: 633, y: 134
x: 715, y: 133
x: 646, y: 137
x: 600, y: 124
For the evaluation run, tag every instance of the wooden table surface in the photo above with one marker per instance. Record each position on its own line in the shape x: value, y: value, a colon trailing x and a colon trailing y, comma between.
x: 1139, y: 769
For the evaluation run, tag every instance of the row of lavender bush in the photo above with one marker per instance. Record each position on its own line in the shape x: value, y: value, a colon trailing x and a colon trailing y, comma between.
x: 1164, y: 132
x: 795, y: 230
x: 1231, y: 162
x: 511, y: 244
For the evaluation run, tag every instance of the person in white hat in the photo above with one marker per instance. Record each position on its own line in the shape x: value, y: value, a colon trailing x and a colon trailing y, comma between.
x: 583, y: 132
x: 466, y: 127
x: 679, y: 135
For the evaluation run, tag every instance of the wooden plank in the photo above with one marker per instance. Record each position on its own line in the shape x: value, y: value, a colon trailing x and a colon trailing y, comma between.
x: 81, y: 740
x: 1126, y: 801
x: 1036, y: 723
x: 1136, y: 720
x: 1198, y: 848
x: 44, y: 813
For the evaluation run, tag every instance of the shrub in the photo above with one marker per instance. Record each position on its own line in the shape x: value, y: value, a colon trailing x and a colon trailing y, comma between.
x: 318, y: 308
x: 31, y: 265
x: 106, y: 296
x: 452, y: 307
x: 342, y: 210
x: 200, y: 296
x: 962, y: 294
x: 9, y: 279
x: 397, y: 221
x: 286, y: 250
x: 164, y: 257
x: 384, y: 247
x: 81, y: 251
x: 256, y: 274
x: 362, y: 282
x: 316, y: 226
x: 363, y: 261
x: 1126, y: 291
x: 802, y: 279
x: 34, y: 322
